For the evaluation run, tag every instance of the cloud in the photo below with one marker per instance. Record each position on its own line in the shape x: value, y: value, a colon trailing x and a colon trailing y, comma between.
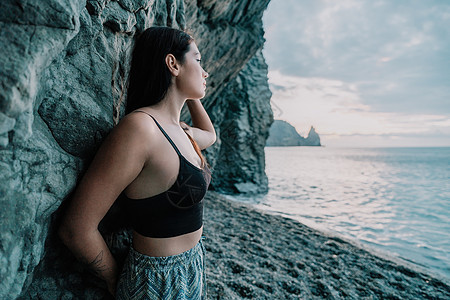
x: 335, y: 108
x: 397, y: 54
x: 372, y: 70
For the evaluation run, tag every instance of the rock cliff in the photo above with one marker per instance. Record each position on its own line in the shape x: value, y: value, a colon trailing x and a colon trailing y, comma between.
x: 62, y: 68
x: 239, y: 163
x: 313, y: 138
x: 282, y: 133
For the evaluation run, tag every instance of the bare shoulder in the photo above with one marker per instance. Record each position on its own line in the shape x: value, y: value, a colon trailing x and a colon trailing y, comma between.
x: 137, y: 124
x: 135, y: 129
x: 120, y: 159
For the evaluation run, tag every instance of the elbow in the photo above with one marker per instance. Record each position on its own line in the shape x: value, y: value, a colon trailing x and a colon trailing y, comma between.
x: 72, y: 235
x: 66, y: 234
x: 213, y: 137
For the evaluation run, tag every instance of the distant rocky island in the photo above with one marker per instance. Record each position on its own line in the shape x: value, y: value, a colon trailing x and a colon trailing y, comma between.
x: 282, y: 133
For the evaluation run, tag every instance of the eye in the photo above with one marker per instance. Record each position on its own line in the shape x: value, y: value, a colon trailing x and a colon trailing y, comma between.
x: 199, y: 60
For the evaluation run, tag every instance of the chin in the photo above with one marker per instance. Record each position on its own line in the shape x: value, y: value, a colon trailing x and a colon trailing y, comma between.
x: 199, y: 96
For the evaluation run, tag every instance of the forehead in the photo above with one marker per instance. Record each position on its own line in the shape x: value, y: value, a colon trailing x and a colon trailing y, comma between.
x: 193, y: 49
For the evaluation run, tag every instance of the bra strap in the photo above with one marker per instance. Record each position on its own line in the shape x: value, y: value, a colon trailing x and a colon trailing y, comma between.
x: 162, y: 130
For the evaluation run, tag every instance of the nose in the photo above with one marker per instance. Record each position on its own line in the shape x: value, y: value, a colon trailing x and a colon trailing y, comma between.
x: 205, y: 74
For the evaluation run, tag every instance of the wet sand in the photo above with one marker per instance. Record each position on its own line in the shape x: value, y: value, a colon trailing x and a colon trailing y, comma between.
x: 253, y: 254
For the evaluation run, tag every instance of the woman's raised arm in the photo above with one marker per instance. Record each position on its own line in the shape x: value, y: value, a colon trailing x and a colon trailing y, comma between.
x: 202, y: 130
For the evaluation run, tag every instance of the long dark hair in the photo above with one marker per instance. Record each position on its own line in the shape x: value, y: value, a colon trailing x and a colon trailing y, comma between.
x: 149, y: 77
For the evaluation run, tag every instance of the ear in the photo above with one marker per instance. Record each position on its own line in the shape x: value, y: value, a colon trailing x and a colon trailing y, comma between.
x: 172, y: 64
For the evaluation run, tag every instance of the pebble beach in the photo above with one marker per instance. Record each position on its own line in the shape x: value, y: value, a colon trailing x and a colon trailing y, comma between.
x: 252, y: 254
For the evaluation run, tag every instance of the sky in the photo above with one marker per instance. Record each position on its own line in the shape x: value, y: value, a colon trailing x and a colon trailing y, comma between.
x: 363, y: 73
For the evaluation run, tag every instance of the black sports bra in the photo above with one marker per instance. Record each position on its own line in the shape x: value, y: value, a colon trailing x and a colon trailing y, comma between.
x: 177, y: 211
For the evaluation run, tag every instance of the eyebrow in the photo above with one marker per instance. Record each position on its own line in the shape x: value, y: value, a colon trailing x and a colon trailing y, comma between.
x: 197, y: 53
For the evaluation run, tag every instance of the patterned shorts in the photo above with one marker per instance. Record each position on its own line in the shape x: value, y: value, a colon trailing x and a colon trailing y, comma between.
x: 180, y: 276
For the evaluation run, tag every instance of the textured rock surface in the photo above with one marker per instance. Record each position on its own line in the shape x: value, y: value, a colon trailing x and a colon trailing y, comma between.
x: 246, y: 117
x: 62, y: 65
x: 282, y: 133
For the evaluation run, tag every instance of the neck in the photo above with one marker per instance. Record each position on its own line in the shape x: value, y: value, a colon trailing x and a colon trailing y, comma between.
x: 170, y: 106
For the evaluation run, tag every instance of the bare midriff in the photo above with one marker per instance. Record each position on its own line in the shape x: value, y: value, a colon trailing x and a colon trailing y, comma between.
x: 160, y: 247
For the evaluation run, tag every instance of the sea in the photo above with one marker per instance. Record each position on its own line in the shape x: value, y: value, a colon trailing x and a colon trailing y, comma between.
x: 393, y: 200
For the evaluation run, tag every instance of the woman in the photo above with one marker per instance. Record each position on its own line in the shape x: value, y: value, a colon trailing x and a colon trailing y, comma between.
x: 156, y: 162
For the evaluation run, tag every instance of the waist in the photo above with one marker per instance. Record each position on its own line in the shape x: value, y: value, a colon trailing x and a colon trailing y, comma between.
x: 163, y: 247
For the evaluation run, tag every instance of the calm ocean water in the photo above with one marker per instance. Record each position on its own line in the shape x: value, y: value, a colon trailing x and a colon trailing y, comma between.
x: 396, y: 200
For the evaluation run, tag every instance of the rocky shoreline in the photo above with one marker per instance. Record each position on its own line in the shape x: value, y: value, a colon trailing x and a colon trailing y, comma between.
x: 252, y: 254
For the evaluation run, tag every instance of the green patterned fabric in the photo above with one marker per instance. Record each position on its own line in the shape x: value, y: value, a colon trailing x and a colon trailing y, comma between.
x: 180, y: 276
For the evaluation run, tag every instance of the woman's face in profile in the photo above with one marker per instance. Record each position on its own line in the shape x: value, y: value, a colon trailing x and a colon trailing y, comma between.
x: 191, y: 80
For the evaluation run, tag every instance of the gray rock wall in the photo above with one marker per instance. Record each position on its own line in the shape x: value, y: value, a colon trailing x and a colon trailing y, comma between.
x: 62, y: 66
x: 246, y: 117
